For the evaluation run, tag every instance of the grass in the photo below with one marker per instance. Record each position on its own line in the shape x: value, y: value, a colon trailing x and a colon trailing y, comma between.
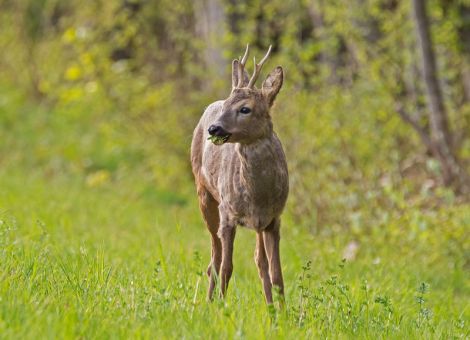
x: 113, y: 256
x: 81, y: 262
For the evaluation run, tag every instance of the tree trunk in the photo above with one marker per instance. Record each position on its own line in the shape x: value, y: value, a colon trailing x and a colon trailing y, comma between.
x: 438, y: 116
x: 452, y: 172
x: 210, y: 21
x: 464, y: 40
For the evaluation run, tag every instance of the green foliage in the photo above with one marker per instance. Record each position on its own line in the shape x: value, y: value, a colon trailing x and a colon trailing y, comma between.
x: 139, y: 73
x: 115, y: 261
x: 99, y: 230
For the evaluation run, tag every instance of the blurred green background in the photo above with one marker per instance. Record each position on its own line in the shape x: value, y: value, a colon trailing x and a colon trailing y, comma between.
x: 102, y: 87
x: 98, y: 101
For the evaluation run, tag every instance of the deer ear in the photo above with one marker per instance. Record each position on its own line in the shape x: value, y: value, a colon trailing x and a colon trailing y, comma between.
x: 246, y: 77
x: 272, y: 85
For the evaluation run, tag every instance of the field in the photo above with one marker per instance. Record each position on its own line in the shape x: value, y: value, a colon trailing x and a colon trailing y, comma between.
x: 102, y: 256
x: 100, y: 231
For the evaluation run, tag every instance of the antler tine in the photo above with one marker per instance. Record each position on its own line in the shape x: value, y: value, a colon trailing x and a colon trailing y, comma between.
x: 245, y: 56
x: 258, y: 68
x: 241, y: 66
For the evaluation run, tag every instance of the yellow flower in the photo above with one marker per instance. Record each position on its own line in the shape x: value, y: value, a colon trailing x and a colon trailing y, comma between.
x: 98, y: 178
x: 73, y: 73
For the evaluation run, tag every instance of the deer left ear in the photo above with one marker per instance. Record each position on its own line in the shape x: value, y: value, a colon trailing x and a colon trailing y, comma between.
x: 272, y: 85
x: 235, y: 80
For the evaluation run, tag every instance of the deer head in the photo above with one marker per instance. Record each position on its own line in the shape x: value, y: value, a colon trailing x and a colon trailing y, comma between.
x: 245, y: 114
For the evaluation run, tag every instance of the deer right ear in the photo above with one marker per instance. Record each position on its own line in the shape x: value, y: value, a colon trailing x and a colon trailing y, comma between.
x: 246, y: 77
x: 272, y: 85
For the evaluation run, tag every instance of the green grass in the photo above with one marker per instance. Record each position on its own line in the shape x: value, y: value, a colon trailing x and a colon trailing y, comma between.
x: 82, y: 262
x: 106, y: 252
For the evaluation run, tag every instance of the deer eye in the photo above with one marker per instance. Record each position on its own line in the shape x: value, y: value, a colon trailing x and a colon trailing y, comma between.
x: 245, y: 110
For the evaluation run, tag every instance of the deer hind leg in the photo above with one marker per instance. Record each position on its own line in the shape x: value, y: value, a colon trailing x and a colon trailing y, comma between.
x: 263, y: 267
x: 271, y: 237
x: 210, y: 212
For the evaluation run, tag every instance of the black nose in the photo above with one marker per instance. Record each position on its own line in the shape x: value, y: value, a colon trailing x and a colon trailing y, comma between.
x: 215, y: 130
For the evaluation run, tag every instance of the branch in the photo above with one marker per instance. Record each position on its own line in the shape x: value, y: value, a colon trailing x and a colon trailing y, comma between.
x: 423, y: 134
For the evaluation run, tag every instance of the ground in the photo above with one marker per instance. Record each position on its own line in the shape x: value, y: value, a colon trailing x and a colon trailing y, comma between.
x: 121, y: 259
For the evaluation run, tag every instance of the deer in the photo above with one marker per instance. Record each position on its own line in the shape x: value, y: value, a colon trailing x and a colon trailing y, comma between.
x: 241, y: 176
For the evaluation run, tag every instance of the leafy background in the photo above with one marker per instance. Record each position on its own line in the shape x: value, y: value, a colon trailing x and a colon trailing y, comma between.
x: 98, y: 100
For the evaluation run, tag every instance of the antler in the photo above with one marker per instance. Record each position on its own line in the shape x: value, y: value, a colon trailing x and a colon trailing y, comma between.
x: 258, y: 67
x: 241, y: 66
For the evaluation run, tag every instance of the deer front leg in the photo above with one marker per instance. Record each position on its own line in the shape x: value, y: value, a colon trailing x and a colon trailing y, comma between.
x: 226, y: 234
x: 214, y: 265
x: 271, y: 237
x: 210, y: 212
x: 263, y: 267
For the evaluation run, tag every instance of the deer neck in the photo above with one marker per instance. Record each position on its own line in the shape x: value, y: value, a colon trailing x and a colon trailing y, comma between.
x: 255, y: 157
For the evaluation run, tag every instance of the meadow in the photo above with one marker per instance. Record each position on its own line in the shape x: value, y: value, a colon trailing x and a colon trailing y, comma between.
x: 101, y: 256
x: 100, y: 232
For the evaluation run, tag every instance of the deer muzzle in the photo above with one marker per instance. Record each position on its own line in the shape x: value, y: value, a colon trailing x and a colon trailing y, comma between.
x: 218, y: 135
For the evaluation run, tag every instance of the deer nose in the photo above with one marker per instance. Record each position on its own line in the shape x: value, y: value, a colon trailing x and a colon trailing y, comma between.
x: 216, y: 130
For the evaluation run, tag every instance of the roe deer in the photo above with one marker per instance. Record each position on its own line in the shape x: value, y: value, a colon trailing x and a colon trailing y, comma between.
x: 241, y: 175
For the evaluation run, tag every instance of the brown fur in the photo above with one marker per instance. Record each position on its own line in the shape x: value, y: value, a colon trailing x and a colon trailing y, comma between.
x: 244, y: 181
